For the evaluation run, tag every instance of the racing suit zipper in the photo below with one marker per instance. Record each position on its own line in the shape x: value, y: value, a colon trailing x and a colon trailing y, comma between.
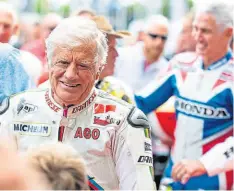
x: 60, y: 133
x: 62, y: 127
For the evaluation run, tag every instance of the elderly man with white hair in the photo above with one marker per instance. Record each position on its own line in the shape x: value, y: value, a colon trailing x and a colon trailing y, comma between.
x: 137, y: 65
x: 202, y: 83
x: 112, y: 136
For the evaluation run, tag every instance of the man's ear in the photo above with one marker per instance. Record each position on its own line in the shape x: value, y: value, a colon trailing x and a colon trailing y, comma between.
x: 97, y: 76
x: 16, y: 30
x: 99, y: 72
x: 229, y: 32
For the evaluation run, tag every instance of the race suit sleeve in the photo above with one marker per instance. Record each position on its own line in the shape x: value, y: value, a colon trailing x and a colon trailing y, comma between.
x: 156, y: 92
x: 220, y: 158
x: 6, y: 116
x: 13, y: 77
x: 133, y: 153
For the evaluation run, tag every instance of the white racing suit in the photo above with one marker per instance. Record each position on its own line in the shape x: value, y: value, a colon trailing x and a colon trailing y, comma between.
x: 112, y: 136
x: 204, y: 112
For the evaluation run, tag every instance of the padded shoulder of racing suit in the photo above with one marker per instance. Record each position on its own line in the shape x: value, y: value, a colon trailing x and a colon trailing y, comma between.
x: 14, y: 99
x: 137, y: 119
x: 184, y: 59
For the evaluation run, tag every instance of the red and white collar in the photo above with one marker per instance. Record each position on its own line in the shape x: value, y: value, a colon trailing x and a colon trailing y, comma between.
x: 73, y: 109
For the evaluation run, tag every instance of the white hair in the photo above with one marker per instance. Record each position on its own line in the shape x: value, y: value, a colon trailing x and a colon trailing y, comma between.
x: 222, y: 10
x: 155, y: 20
x: 73, y: 31
x: 8, y: 8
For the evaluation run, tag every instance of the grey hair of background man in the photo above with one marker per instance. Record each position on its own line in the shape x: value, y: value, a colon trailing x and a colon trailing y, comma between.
x: 7, y: 7
x: 155, y: 20
x: 222, y: 10
x: 73, y: 31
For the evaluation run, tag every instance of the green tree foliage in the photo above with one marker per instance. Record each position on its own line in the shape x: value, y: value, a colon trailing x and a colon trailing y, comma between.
x: 65, y: 11
x: 135, y: 11
x: 165, y: 10
x: 41, y: 6
x: 189, y: 4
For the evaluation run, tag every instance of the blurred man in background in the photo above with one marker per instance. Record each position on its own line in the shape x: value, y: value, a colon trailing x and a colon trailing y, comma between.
x: 202, y: 84
x: 37, y: 47
x: 137, y: 65
x: 106, y: 81
x: 8, y: 28
x: 13, y: 78
x: 8, y: 22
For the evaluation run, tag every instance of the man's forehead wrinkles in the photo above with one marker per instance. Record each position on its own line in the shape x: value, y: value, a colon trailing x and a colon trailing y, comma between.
x: 64, y: 56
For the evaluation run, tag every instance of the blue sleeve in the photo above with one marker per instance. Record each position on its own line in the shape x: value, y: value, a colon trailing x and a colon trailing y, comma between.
x: 156, y: 93
x: 13, y: 78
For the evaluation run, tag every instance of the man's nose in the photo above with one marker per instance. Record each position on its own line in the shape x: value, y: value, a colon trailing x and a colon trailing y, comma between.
x: 71, y: 72
x: 158, y: 41
x: 116, y: 53
x: 197, y: 35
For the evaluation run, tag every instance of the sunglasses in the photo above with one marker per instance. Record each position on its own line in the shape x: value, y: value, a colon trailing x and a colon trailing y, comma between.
x: 154, y: 36
x: 51, y: 28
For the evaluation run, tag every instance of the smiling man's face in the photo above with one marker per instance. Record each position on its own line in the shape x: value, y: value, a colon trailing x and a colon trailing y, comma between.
x: 73, y: 73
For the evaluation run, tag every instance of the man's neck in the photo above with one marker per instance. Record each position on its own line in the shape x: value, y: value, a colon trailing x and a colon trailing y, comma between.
x: 207, y: 61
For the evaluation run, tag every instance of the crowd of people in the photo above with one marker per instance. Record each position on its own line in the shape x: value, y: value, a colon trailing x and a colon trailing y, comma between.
x: 78, y: 111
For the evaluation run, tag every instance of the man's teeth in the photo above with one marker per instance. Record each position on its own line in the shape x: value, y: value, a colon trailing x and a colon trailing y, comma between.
x: 70, y: 85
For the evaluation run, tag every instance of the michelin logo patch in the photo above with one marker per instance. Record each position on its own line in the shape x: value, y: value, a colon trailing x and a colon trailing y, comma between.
x: 33, y: 129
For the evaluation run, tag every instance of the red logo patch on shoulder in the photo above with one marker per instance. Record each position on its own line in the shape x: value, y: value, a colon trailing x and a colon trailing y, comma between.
x: 100, y: 108
x: 226, y: 76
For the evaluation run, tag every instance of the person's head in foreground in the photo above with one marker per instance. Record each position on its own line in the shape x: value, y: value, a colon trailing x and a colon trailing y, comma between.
x: 76, y: 58
x: 58, y: 167
x: 213, y: 29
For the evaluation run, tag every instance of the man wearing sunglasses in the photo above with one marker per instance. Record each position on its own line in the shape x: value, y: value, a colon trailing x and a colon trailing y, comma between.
x: 144, y: 59
x: 202, y: 84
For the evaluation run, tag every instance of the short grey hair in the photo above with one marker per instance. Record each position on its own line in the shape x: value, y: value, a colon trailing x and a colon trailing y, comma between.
x: 222, y: 10
x: 73, y: 31
x: 8, y: 8
x: 154, y: 20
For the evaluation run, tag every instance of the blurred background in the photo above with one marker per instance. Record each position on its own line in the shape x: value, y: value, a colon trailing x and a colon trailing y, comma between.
x: 123, y: 14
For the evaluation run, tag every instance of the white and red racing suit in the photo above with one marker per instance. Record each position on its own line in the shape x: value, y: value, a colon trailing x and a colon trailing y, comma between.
x: 204, y: 111
x: 111, y: 135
